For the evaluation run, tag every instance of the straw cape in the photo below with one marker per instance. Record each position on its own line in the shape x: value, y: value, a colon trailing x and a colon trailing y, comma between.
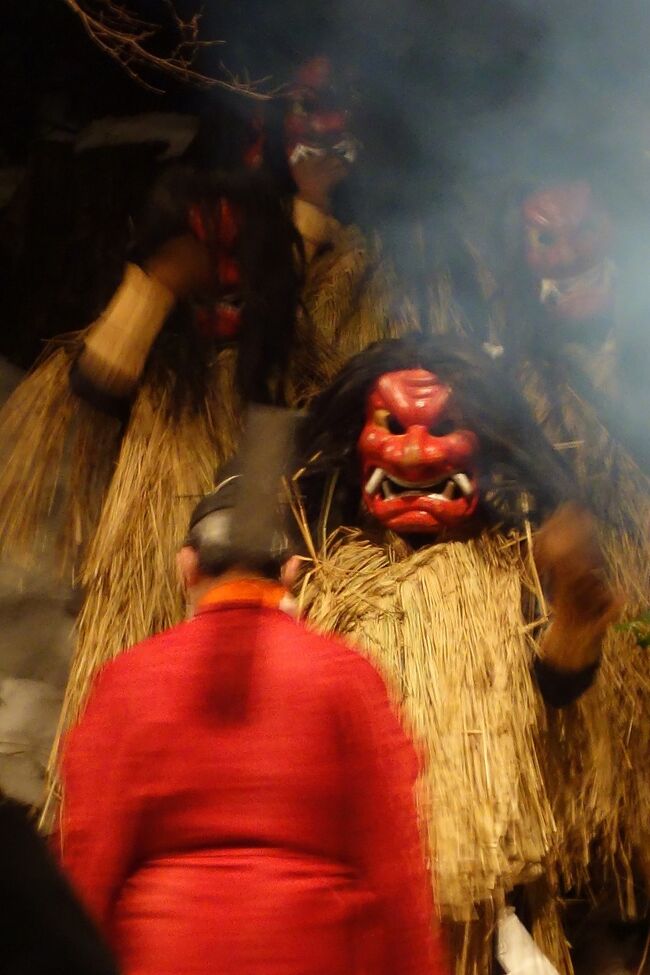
x: 445, y: 624
x: 512, y: 793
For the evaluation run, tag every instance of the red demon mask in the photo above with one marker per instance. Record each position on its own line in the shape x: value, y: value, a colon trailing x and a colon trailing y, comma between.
x: 318, y: 121
x: 219, y: 230
x: 567, y: 241
x: 418, y: 468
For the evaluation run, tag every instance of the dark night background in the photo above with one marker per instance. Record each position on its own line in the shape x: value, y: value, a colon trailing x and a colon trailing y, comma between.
x: 453, y: 93
x: 580, y: 52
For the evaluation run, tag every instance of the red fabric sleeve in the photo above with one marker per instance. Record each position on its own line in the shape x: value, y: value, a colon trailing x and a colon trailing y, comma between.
x: 384, y: 833
x: 100, y: 811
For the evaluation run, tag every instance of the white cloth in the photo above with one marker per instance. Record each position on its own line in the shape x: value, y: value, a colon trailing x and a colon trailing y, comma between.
x: 516, y: 951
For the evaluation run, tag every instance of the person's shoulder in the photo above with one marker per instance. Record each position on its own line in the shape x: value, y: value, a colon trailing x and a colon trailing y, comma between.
x: 121, y: 686
x: 146, y: 655
x: 342, y: 658
x: 325, y: 644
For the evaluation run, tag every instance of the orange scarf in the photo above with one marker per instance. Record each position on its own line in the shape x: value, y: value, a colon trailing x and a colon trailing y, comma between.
x: 262, y: 592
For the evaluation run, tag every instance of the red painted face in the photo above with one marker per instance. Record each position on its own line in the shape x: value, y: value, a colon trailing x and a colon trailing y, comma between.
x: 567, y: 241
x: 317, y: 123
x: 418, y: 467
x: 219, y: 230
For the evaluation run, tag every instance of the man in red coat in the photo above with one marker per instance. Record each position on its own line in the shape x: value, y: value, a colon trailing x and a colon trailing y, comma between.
x: 238, y: 794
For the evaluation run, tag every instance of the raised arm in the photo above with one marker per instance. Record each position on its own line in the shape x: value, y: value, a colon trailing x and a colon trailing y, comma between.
x: 571, y: 566
x: 118, y: 344
x: 316, y: 178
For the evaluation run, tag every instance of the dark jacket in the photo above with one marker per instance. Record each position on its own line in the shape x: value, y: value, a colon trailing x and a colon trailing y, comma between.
x: 43, y: 930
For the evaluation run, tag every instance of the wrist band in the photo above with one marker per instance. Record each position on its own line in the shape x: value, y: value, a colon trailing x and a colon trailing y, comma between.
x: 312, y: 224
x: 559, y: 688
x: 119, y: 342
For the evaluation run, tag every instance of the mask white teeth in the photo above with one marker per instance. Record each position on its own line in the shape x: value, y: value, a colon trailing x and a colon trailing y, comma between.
x: 448, y: 492
x: 548, y: 291
x: 374, y: 480
x: 556, y: 289
x: 462, y: 481
x: 379, y: 479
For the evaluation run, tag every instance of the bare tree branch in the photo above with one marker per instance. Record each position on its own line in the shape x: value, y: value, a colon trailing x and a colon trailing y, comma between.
x: 126, y: 38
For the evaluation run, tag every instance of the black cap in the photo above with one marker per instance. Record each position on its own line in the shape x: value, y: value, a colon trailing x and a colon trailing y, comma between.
x: 224, y: 496
x: 249, y: 487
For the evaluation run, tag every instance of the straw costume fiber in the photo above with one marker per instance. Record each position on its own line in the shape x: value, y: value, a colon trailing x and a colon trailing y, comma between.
x: 57, y: 460
x: 445, y: 626
x: 350, y: 297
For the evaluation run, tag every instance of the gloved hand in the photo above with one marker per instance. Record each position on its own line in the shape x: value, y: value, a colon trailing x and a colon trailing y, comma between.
x: 572, y: 569
x: 183, y: 265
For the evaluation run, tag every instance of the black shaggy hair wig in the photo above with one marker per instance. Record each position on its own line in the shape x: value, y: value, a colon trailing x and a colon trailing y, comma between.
x: 229, y: 126
x: 269, y: 253
x: 517, y: 459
